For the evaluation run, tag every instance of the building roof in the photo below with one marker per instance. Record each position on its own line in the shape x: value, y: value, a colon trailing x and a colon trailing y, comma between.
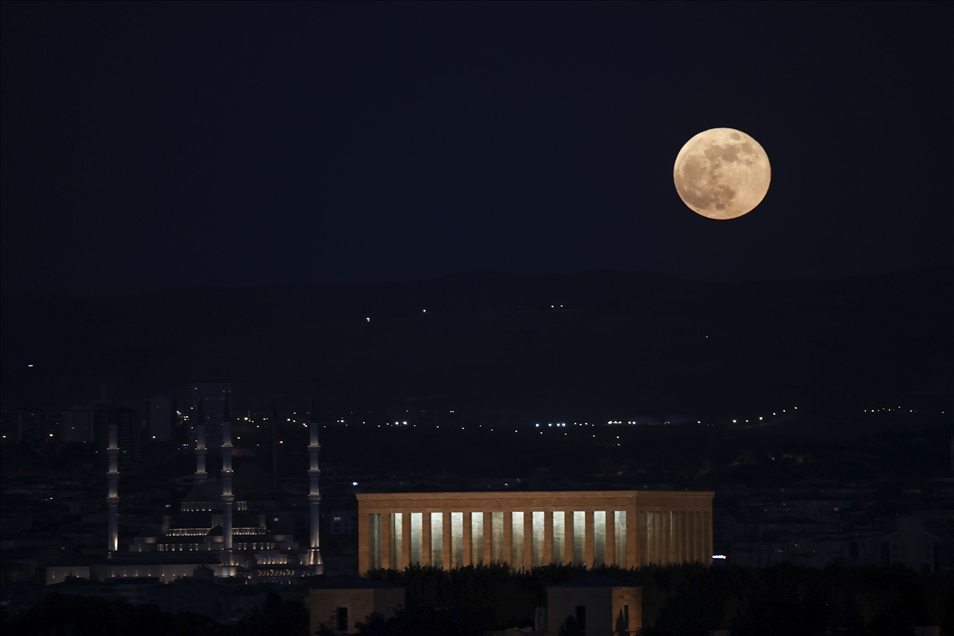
x: 192, y: 520
x: 594, y: 580
x: 638, y: 496
x: 210, y: 490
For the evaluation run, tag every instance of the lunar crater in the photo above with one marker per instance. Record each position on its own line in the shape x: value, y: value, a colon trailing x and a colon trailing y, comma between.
x: 722, y: 173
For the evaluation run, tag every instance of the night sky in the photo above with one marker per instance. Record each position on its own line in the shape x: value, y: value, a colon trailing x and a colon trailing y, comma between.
x: 159, y: 146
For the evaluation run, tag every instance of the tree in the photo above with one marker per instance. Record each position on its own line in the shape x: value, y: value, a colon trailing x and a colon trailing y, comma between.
x: 570, y: 628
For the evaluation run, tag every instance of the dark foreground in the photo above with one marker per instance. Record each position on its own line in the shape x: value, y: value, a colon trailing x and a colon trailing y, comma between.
x: 680, y: 600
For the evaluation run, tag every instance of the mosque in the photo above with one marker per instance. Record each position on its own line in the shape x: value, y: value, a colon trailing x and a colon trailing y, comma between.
x: 217, y: 533
x: 213, y: 530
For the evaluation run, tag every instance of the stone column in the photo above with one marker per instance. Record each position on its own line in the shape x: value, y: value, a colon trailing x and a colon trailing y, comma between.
x: 673, y: 518
x: 488, y: 536
x: 547, y: 537
x: 426, y: 538
x: 466, y: 539
x: 650, y: 555
x: 652, y: 537
x: 680, y: 534
x: 687, y: 529
x: 687, y: 516
x: 508, y: 538
x: 676, y: 537
x: 589, y: 538
x: 697, y: 537
x: 405, y: 539
x: 671, y: 535
x: 568, y: 536
x: 610, y: 537
x: 527, y: 540
x: 632, y: 536
x: 707, y: 534
x: 686, y: 538
x: 447, y: 547
x: 642, y: 551
x: 387, y: 519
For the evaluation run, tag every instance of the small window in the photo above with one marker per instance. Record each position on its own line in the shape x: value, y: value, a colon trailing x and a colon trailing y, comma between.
x: 341, y: 619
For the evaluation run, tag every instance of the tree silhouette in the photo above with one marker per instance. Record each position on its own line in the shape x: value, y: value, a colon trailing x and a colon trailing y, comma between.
x: 569, y: 627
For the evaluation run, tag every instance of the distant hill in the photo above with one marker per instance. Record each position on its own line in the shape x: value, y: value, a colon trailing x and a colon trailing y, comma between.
x: 551, y: 345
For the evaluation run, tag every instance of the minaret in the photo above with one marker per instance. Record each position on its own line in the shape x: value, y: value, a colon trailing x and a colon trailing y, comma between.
x: 112, y: 498
x: 314, y: 494
x: 275, y: 441
x: 200, y: 474
x: 227, y: 497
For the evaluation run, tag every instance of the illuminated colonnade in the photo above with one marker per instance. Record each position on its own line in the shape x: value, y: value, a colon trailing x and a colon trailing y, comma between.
x: 527, y: 529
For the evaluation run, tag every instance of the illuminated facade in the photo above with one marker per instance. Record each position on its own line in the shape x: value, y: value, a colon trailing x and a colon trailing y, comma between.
x: 314, y: 559
x: 628, y: 528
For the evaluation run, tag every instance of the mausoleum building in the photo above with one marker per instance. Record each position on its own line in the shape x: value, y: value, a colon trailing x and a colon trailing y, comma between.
x: 628, y: 528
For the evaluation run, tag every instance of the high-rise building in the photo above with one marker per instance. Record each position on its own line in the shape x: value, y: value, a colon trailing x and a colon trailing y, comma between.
x: 79, y: 426
x: 126, y: 421
x: 160, y: 418
x: 213, y: 396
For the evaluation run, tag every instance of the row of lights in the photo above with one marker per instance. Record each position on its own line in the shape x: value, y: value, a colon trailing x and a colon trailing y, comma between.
x: 794, y: 408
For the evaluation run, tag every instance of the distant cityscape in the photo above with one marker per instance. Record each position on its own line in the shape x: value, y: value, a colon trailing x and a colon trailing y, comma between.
x: 783, y: 494
x: 211, y: 497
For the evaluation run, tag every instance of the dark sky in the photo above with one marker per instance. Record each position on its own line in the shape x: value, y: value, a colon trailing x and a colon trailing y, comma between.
x: 155, y: 146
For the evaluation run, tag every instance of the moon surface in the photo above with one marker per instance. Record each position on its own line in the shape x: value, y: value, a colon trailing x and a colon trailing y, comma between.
x: 722, y: 173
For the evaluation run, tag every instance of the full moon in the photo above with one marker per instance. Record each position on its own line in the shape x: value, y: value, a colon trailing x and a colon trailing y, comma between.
x: 722, y: 173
